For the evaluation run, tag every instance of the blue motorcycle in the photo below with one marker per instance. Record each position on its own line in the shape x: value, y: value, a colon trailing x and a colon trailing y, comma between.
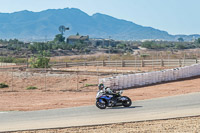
x: 104, y: 100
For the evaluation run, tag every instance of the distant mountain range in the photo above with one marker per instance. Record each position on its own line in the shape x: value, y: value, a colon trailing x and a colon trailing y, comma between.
x: 27, y: 25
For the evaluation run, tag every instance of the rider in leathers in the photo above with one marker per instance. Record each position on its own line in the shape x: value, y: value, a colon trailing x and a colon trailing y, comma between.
x: 107, y: 91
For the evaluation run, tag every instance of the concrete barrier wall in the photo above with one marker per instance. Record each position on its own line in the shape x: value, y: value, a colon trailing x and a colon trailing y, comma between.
x: 141, y: 79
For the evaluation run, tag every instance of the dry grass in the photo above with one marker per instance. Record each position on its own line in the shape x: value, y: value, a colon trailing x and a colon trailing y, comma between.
x: 138, y: 54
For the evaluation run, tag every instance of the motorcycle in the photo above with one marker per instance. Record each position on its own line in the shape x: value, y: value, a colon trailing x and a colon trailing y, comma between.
x: 104, y: 100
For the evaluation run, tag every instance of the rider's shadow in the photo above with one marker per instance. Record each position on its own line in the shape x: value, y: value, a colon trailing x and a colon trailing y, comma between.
x: 126, y: 107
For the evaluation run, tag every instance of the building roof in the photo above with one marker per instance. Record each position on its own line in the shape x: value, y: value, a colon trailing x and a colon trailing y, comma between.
x: 75, y: 37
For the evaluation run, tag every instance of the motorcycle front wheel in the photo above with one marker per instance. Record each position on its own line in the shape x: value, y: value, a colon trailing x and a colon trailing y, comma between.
x: 127, y: 103
x: 101, y: 105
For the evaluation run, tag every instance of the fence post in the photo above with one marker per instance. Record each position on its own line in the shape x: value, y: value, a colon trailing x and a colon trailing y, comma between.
x: 168, y: 60
x: 103, y: 63
x: 12, y: 77
x: 97, y: 75
x: 122, y: 63
x: 135, y: 62
x: 184, y: 59
x: 152, y: 62
x: 142, y: 63
x: 45, y: 80
x: 162, y: 63
x: 27, y: 62
x: 77, y: 80
x: 180, y: 64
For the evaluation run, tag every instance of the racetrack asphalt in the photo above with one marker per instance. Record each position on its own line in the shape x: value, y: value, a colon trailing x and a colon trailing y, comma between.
x: 158, y: 108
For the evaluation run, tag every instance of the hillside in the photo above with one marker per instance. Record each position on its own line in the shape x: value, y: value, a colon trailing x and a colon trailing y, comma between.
x: 27, y: 25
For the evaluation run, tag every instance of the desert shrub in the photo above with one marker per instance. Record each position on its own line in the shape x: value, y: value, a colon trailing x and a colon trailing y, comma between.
x: 144, y: 55
x: 3, y: 85
x: 31, y: 88
x: 198, y: 40
x: 41, y: 61
x: 12, y: 60
x: 87, y: 85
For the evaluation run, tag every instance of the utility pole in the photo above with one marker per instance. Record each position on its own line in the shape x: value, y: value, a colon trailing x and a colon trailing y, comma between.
x: 109, y: 46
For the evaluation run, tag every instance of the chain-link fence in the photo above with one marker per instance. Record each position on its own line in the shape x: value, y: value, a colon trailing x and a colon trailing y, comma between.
x: 48, y: 80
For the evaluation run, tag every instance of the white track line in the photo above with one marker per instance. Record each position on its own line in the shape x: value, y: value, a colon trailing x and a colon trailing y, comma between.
x: 3, y: 112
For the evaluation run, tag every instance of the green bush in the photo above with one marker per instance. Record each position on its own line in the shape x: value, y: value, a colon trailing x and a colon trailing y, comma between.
x: 41, y: 61
x: 31, y: 88
x: 87, y: 85
x: 144, y: 55
x: 12, y: 60
x: 198, y: 40
x: 3, y: 85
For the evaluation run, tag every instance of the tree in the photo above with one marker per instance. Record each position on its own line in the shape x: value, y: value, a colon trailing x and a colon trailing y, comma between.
x: 180, y: 39
x: 41, y: 61
x: 198, y: 40
x: 38, y: 46
x: 59, y: 38
x: 86, y: 50
x: 147, y: 44
x: 180, y: 46
x: 80, y: 46
x: 144, y: 55
x: 121, y: 46
x: 151, y: 45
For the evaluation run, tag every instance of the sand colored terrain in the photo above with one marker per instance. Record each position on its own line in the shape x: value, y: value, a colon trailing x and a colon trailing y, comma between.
x: 120, y: 70
x: 178, y: 125
x: 62, y: 90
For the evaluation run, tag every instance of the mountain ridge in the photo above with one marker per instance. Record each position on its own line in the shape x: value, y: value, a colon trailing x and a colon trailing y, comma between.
x: 29, y: 25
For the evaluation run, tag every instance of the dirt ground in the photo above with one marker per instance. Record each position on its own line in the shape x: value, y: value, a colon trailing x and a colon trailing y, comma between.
x: 178, y: 125
x: 114, y: 69
x: 62, y: 90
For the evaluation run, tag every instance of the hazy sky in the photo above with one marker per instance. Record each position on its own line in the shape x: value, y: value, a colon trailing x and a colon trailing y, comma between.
x: 173, y: 16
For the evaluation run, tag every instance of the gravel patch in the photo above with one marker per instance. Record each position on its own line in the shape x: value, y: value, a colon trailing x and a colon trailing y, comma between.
x: 178, y: 125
